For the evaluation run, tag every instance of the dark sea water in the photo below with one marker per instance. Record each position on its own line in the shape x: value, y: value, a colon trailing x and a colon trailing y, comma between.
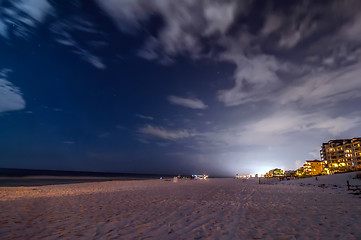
x: 26, y: 177
x: 34, y: 181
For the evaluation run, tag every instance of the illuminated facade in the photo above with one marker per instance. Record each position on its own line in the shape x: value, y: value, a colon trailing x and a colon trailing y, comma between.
x: 313, y: 167
x: 290, y: 173
x: 275, y: 172
x: 341, y: 155
x: 300, y: 171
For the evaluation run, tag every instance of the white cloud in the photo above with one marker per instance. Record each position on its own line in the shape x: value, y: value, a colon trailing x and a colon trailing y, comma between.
x: 163, y: 133
x: 37, y: 9
x: 275, y: 130
x: 292, y: 121
x: 338, y: 125
x: 301, y: 24
x: 326, y: 87
x: 178, y: 34
x: 329, y: 61
x: 185, y: 23
x: 290, y: 40
x: 194, y: 103
x: 129, y: 14
x: 255, y: 79
x: 64, y: 34
x: 10, y: 96
x: 89, y: 57
x: 352, y: 31
x: 24, y: 15
x: 219, y: 16
x: 3, y: 29
x: 144, y: 117
x: 272, y: 23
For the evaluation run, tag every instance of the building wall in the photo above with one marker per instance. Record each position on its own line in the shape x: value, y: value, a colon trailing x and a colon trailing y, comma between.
x: 341, y: 154
x: 314, y: 167
x: 275, y: 172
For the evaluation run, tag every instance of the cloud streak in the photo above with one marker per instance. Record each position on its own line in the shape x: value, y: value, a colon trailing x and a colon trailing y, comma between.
x: 193, y: 103
x: 326, y: 87
x: 167, y: 134
x: 144, y: 117
x: 11, y: 98
x: 284, y: 122
x: 65, y: 32
x: 255, y: 79
x: 186, y: 22
x: 23, y: 17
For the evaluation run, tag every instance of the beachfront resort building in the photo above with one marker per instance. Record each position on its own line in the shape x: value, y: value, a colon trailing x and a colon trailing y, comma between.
x: 341, y: 155
x: 290, y: 173
x: 313, y: 167
x: 310, y: 168
x: 275, y: 173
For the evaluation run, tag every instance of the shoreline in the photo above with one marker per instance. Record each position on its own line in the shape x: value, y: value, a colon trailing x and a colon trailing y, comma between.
x: 36, y: 181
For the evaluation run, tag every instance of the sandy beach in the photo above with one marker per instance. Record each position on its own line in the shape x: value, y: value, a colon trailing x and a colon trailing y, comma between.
x: 188, y: 209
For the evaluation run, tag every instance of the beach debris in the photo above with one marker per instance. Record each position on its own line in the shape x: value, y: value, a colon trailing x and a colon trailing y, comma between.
x: 170, y: 229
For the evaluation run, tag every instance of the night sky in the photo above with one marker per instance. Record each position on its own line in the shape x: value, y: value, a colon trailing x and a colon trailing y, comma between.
x: 155, y: 86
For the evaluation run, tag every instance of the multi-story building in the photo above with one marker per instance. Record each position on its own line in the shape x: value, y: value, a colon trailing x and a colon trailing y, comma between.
x: 313, y: 167
x: 275, y: 173
x: 341, y: 155
x: 290, y: 173
x: 300, y: 172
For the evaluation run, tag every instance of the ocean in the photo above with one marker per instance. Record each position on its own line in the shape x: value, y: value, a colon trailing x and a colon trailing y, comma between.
x: 31, y: 177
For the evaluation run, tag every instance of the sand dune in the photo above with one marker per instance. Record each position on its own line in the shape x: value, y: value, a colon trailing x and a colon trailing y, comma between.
x: 158, y: 209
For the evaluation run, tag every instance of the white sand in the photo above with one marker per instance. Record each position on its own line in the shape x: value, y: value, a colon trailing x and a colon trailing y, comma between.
x: 333, y: 181
x: 158, y: 209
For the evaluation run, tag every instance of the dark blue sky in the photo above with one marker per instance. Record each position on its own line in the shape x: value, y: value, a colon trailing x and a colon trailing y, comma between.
x: 219, y: 87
